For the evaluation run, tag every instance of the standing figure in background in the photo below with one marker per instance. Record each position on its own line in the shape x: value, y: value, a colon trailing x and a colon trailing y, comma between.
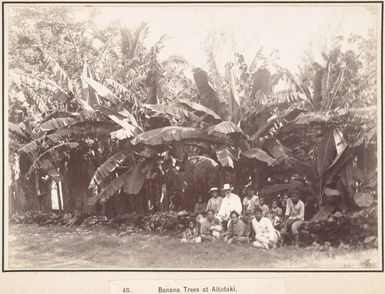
x: 283, y: 201
x: 263, y: 206
x: 231, y: 202
x: 250, y: 202
x: 294, y: 217
x: 200, y: 206
x: 215, y: 201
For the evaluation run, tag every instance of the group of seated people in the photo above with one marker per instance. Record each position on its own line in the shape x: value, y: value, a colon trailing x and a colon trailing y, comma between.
x: 249, y: 220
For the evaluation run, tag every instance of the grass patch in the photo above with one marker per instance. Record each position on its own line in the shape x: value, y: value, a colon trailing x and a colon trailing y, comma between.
x: 33, y: 246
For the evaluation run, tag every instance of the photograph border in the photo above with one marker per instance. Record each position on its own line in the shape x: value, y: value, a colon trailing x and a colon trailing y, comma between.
x: 4, y: 270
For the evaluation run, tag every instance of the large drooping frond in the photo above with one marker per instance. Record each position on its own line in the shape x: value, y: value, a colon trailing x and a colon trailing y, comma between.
x: 208, y: 96
x: 200, y: 110
x: 79, y: 131
x: 131, y: 181
x: 56, y: 151
x: 101, y: 90
x: 259, y: 154
x: 109, y: 166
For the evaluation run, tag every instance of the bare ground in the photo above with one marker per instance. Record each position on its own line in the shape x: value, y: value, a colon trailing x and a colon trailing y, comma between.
x: 53, y: 247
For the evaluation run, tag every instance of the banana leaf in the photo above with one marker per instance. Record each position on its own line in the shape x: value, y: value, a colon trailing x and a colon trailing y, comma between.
x: 366, y: 162
x: 82, y: 130
x: 234, y: 101
x: 173, y: 111
x: 340, y: 145
x: 346, y: 156
x: 275, y: 188
x: 89, y: 98
x: 225, y: 157
x: 225, y: 128
x: 135, y: 181
x: 57, y: 123
x: 153, y: 81
x: 274, y: 122
x: 57, y: 114
x: 200, y: 109
x: 111, y: 189
x: 261, y: 82
x: 122, y: 90
x: 363, y: 199
x: 208, y: 96
x: 37, y: 100
x: 259, y: 154
x: 76, y: 132
x: 107, y: 167
x: 58, y: 149
x: 124, y: 133
x: 16, y: 129
x: 326, y: 152
x: 132, y: 181
x: 119, y: 119
x: 59, y: 72
x: 22, y: 78
x: 313, y: 117
x: 101, y: 90
x: 171, y: 134
x: 199, y: 159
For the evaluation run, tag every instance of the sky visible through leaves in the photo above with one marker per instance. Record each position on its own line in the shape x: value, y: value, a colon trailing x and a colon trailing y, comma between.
x: 286, y: 31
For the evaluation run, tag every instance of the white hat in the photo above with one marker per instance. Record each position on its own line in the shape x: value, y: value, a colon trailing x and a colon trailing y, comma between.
x: 213, y: 189
x: 227, y: 187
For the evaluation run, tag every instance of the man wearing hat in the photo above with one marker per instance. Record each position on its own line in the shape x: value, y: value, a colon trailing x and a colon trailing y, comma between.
x: 215, y: 201
x: 231, y: 202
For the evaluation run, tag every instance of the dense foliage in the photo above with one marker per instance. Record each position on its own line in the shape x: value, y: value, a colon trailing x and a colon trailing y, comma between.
x: 126, y: 131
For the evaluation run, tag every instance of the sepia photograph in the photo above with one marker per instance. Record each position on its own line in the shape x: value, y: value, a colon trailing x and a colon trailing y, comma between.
x: 192, y: 136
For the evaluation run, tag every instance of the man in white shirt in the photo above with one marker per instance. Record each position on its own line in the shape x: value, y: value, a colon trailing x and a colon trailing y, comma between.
x: 265, y: 234
x: 231, y: 202
x: 294, y: 217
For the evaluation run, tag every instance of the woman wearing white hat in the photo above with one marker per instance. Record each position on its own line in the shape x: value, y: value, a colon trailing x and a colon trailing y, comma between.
x: 231, y: 202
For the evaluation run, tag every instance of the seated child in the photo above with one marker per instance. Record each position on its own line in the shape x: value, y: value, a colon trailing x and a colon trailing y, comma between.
x: 275, y: 214
x: 191, y: 234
